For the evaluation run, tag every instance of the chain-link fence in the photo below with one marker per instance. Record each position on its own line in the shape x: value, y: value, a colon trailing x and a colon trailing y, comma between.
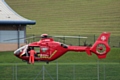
x: 114, y: 41
x: 61, y: 71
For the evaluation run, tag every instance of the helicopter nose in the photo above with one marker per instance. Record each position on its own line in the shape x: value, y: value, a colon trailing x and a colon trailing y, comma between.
x: 20, y: 50
x: 17, y: 52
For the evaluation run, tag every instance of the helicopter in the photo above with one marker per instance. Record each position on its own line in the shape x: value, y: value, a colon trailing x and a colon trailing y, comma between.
x: 49, y: 50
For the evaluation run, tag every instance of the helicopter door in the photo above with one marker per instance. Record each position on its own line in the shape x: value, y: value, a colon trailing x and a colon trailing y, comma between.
x: 45, y: 51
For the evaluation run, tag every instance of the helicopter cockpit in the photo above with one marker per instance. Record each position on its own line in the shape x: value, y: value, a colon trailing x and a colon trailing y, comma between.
x: 22, y: 50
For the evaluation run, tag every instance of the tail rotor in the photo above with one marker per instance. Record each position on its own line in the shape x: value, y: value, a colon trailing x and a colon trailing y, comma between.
x: 101, y: 46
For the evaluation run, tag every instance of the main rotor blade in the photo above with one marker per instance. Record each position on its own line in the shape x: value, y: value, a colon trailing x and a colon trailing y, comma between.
x: 21, y: 38
x: 70, y: 36
x: 48, y: 36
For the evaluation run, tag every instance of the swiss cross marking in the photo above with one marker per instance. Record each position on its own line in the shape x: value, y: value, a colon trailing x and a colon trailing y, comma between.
x: 103, y: 38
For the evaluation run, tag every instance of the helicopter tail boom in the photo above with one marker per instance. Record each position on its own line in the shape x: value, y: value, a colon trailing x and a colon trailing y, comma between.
x: 100, y: 47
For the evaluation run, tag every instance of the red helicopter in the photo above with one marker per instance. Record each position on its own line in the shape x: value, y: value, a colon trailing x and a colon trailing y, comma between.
x: 48, y: 50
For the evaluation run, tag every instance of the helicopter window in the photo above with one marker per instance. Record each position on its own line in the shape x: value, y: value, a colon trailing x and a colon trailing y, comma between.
x: 20, y: 49
x: 64, y: 45
x: 37, y: 49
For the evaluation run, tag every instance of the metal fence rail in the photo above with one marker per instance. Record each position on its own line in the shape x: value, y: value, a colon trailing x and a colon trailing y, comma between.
x: 114, y: 41
x: 61, y: 71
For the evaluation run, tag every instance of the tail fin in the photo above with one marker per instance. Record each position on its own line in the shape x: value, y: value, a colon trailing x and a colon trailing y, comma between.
x: 101, y: 47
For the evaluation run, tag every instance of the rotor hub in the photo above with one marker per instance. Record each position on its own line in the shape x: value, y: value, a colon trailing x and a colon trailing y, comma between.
x: 44, y: 36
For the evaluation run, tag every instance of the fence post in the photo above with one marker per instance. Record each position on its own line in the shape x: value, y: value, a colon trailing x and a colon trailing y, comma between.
x: 33, y: 38
x: 73, y: 72
x: 64, y: 40
x: 13, y: 73
x: 98, y: 69
x: 79, y: 40
x: 109, y: 41
x: 43, y: 72
x: 119, y: 44
x: 104, y: 73
x: 57, y: 69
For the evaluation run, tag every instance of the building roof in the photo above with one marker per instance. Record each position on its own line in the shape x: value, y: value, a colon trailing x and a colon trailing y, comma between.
x: 9, y: 16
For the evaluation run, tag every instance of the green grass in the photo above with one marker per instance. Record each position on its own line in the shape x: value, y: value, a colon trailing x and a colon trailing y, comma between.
x: 67, y: 17
x: 70, y: 17
x: 70, y: 57
x: 72, y: 65
x: 66, y: 72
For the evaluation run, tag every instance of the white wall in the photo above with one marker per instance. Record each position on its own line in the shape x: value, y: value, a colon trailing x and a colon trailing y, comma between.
x: 11, y: 34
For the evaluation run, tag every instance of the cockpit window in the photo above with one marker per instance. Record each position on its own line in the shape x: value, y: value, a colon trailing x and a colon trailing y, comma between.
x: 20, y: 49
x: 37, y: 49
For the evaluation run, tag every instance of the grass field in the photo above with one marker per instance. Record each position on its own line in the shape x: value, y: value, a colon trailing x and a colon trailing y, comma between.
x: 70, y: 17
x: 66, y: 72
x: 67, y: 17
x: 71, y: 66
x: 70, y: 57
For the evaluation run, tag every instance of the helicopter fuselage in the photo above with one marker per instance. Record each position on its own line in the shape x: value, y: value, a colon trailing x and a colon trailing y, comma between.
x: 48, y: 50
